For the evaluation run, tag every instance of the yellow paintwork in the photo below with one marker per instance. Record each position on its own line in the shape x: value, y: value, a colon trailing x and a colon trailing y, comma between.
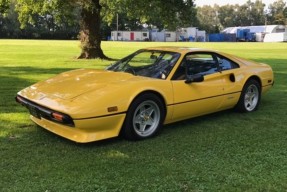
x: 85, y: 130
x: 86, y: 95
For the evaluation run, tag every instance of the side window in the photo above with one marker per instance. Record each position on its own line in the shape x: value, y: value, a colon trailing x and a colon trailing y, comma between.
x: 226, y: 64
x: 201, y: 63
x: 196, y: 63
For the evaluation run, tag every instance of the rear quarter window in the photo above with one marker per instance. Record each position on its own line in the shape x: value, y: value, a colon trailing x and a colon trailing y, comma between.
x: 226, y: 64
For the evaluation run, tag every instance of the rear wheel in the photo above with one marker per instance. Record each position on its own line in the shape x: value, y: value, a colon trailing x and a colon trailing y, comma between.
x: 144, y: 117
x: 250, y: 96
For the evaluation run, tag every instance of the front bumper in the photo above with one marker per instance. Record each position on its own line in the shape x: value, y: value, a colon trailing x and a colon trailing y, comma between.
x: 86, y: 130
x: 78, y: 130
x: 39, y: 112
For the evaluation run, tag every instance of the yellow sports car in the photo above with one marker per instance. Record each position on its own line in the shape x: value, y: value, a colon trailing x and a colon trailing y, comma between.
x: 138, y: 94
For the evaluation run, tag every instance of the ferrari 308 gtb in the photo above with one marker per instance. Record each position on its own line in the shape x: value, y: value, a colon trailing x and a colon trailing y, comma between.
x: 136, y: 95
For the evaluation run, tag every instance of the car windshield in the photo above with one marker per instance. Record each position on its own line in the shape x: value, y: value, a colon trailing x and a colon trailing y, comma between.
x: 147, y: 63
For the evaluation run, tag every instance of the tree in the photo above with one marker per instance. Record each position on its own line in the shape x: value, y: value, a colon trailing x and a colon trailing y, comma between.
x: 250, y: 13
x: 168, y: 14
x: 4, y: 6
x: 214, y: 18
x: 208, y: 18
x: 90, y: 36
x: 256, y: 12
x: 9, y: 24
x: 277, y: 13
x: 227, y: 15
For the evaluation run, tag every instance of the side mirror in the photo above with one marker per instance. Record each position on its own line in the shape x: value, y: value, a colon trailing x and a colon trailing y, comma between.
x: 194, y: 78
x: 190, y: 76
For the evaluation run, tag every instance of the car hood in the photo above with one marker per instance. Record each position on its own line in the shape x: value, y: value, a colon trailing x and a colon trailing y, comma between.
x: 74, y: 83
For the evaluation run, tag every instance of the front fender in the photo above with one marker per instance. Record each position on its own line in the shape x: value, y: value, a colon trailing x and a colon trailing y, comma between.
x: 117, y: 98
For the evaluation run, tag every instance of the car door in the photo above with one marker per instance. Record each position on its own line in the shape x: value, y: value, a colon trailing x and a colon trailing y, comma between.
x: 197, y: 97
x: 232, y: 85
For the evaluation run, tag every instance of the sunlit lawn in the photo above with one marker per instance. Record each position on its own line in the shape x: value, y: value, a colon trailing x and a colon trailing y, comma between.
x: 226, y: 151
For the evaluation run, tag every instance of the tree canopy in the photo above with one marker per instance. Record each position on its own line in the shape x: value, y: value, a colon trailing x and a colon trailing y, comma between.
x: 90, y: 14
x: 92, y: 20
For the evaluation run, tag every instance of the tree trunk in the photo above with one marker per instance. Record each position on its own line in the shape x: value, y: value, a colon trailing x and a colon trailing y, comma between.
x: 90, y: 31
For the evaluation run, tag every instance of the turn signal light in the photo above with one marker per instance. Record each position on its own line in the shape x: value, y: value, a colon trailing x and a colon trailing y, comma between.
x: 62, y: 118
x: 58, y: 117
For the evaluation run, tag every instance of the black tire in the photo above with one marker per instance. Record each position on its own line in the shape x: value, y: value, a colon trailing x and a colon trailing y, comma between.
x: 144, y: 118
x: 250, y: 97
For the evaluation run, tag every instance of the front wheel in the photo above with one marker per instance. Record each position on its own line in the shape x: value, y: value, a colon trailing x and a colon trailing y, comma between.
x: 250, y: 97
x: 144, y: 117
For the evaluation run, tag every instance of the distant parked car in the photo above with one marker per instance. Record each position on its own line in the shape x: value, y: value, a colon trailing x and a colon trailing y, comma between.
x: 138, y: 94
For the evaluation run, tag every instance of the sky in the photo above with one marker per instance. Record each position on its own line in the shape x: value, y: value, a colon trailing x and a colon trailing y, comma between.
x: 225, y: 2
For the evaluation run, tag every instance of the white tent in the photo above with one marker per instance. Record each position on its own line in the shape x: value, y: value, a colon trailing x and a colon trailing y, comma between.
x: 275, y: 37
x: 257, y: 29
x: 265, y: 33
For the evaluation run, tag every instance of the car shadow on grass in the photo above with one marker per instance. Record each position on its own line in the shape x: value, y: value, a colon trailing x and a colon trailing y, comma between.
x: 16, y: 70
x: 192, y: 123
x: 53, y: 138
x: 14, y: 79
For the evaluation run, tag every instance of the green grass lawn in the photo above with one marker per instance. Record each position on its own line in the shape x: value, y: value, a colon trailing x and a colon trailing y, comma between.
x: 226, y: 151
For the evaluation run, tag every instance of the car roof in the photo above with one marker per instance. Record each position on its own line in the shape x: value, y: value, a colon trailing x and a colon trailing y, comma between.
x: 179, y: 49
